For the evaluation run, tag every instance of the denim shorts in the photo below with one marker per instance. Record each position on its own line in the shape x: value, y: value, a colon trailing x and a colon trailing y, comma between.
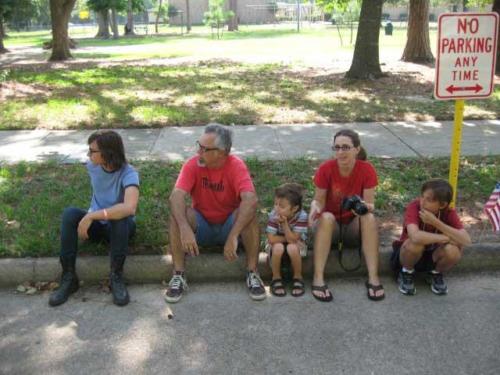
x: 212, y: 234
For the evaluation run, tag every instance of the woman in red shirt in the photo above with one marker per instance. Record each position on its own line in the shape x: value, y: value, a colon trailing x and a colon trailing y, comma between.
x: 345, y: 176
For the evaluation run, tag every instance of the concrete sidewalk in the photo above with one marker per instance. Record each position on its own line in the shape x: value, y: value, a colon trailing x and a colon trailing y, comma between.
x: 277, y: 142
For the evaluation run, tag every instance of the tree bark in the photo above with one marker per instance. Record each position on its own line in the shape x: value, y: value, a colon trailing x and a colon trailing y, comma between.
x: 60, y: 11
x: 2, y: 35
x: 158, y: 16
x: 129, y: 27
x: 365, y: 62
x: 496, y: 8
x: 233, y: 22
x: 188, y: 17
x: 418, y: 44
x: 103, y: 24
x: 114, y: 24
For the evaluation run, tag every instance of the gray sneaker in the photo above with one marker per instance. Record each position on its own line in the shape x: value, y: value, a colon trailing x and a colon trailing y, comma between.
x: 176, y: 287
x: 255, y: 286
x: 406, y: 285
x: 438, y: 285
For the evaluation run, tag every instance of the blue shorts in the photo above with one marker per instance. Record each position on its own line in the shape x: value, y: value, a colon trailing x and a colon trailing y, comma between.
x: 212, y: 234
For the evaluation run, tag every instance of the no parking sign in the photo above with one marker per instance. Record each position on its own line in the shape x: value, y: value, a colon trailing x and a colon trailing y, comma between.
x: 466, y: 55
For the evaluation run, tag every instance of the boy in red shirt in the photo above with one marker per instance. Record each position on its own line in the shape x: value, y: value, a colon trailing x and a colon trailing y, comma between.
x: 432, y: 240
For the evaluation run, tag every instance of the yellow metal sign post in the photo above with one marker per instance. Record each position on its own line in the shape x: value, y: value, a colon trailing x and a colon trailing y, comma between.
x: 455, y: 147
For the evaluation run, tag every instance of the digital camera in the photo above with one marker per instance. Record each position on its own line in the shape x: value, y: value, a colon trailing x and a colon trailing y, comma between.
x: 356, y: 204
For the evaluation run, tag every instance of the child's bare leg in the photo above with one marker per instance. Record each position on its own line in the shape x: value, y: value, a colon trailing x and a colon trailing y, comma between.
x: 277, y: 253
x: 410, y: 254
x: 293, y: 251
x: 446, y: 257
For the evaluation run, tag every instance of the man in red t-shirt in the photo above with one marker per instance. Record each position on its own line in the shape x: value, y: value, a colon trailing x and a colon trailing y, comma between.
x: 432, y: 240
x: 223, y: 208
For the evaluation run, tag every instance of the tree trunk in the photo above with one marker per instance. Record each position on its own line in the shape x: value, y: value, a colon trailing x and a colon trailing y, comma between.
x: 496, y: 8
x: 114, y: 24
x: 129, y: 27
x: 2, y: 35
x: 365, y: 62
x: 103, y: 24
x: 158, y: 16
x: 233, y: 22
x: 418, y: 44
x: 60, y: 11
x: 188, y: 17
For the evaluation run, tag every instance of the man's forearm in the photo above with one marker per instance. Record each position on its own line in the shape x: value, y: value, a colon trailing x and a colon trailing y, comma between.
x: 246, y: 213
x: 178, y: 207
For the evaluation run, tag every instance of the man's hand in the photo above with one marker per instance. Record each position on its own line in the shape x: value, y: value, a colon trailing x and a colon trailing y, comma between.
x: 428, y: 217
x: 188, y: 241
x: 230, y: 248
x: 83, y: 227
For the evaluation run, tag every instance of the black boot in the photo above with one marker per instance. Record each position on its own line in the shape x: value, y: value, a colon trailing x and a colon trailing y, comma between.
x: 69, y: 282
x: 118, y: 288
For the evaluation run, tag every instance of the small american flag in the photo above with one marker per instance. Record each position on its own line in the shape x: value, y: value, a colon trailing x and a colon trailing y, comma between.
x: 492, y: 208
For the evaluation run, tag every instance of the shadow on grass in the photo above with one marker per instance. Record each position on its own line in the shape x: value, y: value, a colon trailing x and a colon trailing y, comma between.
x: 192, y: 94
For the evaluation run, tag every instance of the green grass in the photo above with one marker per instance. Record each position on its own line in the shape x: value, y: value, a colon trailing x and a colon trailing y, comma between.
x: 32, y: 196
x: 192, y: 94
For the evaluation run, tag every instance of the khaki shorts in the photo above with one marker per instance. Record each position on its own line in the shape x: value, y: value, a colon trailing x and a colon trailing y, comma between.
x: 350, y: 233
x: 302, y: 249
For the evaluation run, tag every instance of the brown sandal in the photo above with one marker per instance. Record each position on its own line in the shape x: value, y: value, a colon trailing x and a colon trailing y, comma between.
x: 277, y: 285
x: 324, y: 289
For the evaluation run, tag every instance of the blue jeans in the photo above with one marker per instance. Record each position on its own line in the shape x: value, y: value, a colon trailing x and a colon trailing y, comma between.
x: 208, y: 234
x: 116, y: 232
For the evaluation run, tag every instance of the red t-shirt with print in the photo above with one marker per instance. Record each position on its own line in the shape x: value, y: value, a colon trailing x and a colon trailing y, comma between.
x: 448, y: 216
x: 363, y: 176
x: 215, y: 193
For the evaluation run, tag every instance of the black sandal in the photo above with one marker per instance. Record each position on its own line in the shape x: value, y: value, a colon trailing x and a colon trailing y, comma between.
x: 324, y: 289
x: 374, y: 289
x: 277, y: 284
x: 298, y: 286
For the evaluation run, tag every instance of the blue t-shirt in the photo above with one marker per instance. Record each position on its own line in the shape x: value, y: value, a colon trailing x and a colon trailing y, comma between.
x: 108, y: 188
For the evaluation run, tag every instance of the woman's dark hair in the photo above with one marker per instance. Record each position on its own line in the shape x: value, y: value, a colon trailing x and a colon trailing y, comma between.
x: 291, y: 192
x: 111, y: 147
x: 362, y: 155
x: 441, y: 190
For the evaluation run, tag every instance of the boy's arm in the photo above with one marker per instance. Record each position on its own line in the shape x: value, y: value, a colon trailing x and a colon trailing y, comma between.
x: 291, y: 236
x: 458, y: 236
x: 273, y: 238
x: 425, y: 238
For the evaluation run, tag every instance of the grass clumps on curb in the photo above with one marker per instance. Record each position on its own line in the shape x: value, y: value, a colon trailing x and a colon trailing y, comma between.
x: 33, y: 196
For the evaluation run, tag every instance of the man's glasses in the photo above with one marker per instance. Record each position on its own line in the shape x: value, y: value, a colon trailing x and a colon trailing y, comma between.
x: 344, y: 148
x: 204, y: 148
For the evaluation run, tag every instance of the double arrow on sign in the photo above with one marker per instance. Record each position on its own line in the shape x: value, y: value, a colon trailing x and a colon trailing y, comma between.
x: 451, y: 89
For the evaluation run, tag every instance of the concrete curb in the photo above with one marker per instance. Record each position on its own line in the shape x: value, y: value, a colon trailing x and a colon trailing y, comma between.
x: 213, y: 267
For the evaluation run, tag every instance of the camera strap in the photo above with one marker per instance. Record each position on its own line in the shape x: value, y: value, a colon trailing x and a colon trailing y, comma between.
x: 340, y: 245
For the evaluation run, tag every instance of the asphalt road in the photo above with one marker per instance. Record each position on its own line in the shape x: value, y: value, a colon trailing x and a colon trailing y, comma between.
x: 217, y: 329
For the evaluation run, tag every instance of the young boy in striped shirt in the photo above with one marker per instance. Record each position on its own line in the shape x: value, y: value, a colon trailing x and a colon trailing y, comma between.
x: 287, y: 232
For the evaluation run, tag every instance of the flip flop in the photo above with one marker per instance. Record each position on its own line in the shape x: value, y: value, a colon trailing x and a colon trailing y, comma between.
x: 374, y: 289
x: 324, y: 289
x: 277, y: 284
x: 298, y: 286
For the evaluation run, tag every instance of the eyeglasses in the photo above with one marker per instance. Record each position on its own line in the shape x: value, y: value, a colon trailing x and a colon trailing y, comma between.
x: 205, y: 148
x: 344, y: 148
x: 90, y: 152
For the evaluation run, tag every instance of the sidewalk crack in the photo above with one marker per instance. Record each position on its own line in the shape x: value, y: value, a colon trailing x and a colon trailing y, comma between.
x: 402, y: 141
